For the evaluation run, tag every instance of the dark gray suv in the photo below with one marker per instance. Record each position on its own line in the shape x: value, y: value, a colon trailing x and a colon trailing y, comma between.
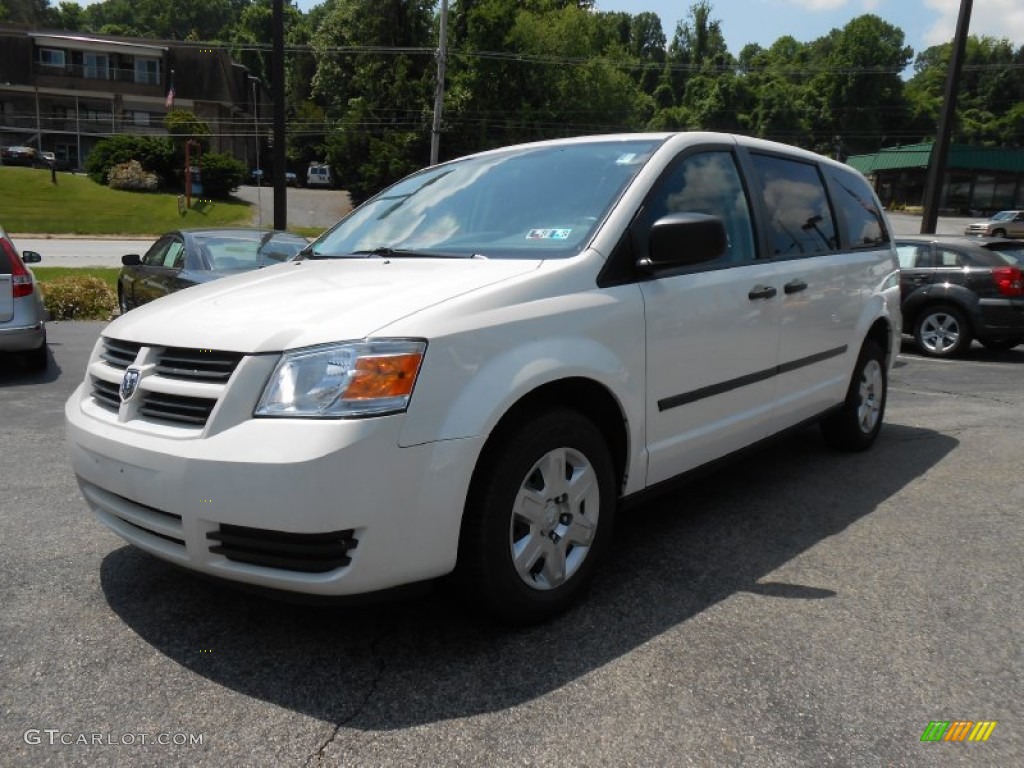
x: 955, y: 289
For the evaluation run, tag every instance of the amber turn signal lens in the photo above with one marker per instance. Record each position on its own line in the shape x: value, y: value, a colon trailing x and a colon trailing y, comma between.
x: 386, y: 376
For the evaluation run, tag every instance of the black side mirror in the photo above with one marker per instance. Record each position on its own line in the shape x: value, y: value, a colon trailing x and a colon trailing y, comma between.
x: 31, y: 257
x: 131, y: 260
x: 683, y: 240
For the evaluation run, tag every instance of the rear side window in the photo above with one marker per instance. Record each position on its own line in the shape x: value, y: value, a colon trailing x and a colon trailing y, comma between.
x: 799, y: 217
x: 862, y: 222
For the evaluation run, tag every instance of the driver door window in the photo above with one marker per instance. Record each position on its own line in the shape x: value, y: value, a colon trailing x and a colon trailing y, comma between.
x: 174, y: 258
x: 707, y: 183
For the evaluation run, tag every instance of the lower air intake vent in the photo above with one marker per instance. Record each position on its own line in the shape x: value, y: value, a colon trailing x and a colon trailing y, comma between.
x: 306, y: 552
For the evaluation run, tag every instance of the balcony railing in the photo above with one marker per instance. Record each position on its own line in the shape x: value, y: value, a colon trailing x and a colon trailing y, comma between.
x: 108, y: 73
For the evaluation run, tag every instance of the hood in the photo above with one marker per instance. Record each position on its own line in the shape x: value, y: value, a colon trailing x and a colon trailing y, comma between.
x: 303, y: 303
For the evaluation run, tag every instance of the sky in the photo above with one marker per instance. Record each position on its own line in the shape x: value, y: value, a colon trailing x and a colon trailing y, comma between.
x: 924, y: 22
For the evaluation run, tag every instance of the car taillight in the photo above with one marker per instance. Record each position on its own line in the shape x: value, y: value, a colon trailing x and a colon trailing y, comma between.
x: 21, y: 279
x: 1009, y: 281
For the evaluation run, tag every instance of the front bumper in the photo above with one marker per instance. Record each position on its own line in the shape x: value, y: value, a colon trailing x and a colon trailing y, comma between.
x: 329, y: 507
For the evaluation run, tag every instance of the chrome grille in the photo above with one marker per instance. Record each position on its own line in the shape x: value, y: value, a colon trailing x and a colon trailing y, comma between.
x: 197, y: 364
x: 305, y: 552
x: 106, y: 394
x: 177, y: 386
x: 178, y: 408
x: 119, y: 354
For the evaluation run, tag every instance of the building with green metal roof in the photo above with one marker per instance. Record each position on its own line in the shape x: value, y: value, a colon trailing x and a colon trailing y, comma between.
x: 978, y: 179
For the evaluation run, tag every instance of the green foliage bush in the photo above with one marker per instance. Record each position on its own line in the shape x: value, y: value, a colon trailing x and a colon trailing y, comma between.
x: 132, y: 176
x: 155, y: 155
x: 222, y: 175
x: 78, y: 298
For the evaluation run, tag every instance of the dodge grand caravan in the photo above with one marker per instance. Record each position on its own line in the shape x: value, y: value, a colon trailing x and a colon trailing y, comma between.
x: 473, y: 369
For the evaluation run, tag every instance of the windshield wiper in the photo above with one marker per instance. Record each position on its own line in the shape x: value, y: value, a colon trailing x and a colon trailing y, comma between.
x: 386, y: 252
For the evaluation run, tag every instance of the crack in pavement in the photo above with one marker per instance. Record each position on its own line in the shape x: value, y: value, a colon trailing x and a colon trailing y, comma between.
x: 317, y: 757
x: 962, y: 395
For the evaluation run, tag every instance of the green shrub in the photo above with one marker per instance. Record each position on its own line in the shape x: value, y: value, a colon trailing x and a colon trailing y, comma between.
x: 222, y: 175
x: 78, y: 298
x: 154, y: 154
x: 132, y: 176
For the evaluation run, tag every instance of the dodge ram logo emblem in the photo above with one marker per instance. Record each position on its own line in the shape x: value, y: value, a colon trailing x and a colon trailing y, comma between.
x: 129, y: 384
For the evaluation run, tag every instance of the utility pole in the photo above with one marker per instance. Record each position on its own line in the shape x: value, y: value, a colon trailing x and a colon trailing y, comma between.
x: 940, y: 149
x: 277, y: 75
x: 442, y: 60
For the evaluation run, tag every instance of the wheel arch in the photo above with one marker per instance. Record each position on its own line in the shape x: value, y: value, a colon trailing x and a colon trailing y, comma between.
x: 881, y: 333
x: 586, y: 396
x: 952, y: 295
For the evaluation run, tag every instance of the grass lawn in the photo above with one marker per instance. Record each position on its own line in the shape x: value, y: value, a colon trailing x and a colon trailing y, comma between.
x: 108, y: 275
x: 75, y: 205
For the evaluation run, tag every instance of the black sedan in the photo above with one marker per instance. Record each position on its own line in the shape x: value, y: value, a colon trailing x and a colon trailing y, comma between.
x: 189, y: 257
x: 955, y: 289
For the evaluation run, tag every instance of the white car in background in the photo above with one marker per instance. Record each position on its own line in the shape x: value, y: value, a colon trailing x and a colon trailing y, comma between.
x: 474, y: 368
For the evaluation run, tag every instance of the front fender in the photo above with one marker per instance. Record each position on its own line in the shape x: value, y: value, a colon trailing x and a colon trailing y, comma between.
x: 487, y: 361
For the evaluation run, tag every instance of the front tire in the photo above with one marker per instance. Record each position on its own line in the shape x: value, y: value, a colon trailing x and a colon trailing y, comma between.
x: 942, y: 331
x: 858, y: 421
x: 538, y: 517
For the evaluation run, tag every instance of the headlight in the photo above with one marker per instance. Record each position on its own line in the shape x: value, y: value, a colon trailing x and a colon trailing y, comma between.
x: 336, y: 381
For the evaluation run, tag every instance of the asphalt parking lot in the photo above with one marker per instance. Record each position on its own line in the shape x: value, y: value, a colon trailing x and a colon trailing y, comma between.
x: 797, y: 608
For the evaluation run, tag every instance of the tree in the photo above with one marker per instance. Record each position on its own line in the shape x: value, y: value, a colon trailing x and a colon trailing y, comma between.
x: 990, y: 97
x: 857, y: 85
x: 379, y: 99
x: 184, y: 126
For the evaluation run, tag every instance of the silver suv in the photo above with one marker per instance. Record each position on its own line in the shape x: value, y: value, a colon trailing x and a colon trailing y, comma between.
x: 1003, y: 224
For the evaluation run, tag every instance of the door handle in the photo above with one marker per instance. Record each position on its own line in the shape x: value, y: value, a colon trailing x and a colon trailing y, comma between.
x: 794, y: 286
x: 761, y: 292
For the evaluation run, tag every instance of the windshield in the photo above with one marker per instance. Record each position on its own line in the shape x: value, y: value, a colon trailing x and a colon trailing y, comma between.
x: 533, y: 202
x: 1004, y: 216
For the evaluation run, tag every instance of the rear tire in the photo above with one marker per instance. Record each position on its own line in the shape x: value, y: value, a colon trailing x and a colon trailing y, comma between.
x: 858, y: 421
x: 942, y: 331
x: 538, y: 518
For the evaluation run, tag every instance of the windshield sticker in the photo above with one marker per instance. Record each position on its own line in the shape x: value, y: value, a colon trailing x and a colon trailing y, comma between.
x: 627, y: 159
x: 549, y: 234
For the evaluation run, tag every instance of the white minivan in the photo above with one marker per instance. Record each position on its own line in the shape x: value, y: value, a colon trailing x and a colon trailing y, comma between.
x: 319, y: 175
x: 473, y: 369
